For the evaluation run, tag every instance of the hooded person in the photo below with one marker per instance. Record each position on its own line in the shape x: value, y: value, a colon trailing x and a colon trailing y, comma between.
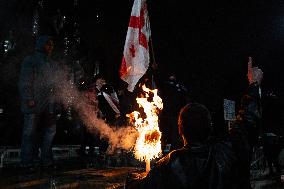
x: 36, y: 89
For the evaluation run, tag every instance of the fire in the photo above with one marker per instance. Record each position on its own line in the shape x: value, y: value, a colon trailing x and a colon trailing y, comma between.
x: 148, y: 143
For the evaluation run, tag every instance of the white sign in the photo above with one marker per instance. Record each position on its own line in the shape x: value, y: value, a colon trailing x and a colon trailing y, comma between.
x: 229, y: 110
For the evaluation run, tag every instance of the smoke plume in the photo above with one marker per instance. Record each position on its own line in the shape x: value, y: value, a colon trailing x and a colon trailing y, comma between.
x: 66, y: 93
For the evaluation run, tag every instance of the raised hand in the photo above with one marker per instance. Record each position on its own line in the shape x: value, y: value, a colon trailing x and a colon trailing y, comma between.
x: 254, y: 74
x: 249, y: 74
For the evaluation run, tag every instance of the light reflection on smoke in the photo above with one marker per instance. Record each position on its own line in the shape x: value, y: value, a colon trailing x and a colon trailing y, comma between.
x: 123, y: 137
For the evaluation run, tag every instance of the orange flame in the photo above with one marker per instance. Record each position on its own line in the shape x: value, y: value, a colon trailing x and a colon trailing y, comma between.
x: 148, y: 143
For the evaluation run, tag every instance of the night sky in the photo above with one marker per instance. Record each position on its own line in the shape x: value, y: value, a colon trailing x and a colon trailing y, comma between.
x: 207, y: 43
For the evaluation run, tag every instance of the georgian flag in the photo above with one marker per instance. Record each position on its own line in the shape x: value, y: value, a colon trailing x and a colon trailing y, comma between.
x: 136, y: 58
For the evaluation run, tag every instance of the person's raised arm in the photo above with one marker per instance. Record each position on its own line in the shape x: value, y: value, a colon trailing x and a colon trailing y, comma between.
x: 249, y: 114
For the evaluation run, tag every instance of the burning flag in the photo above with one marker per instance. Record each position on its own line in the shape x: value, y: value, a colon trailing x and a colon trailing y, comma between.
x: 135, y: 61
x: 148, y: 143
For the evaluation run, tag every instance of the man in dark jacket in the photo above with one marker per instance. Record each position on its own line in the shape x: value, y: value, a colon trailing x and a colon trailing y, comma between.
x: 175, y: 96
x: 108, y: 101
x: 204, y: 161
x: 36, y: 88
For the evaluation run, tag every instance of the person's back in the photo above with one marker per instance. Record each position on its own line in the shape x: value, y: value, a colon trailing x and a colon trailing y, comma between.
x: 182, y: 168
x: 198, y: 166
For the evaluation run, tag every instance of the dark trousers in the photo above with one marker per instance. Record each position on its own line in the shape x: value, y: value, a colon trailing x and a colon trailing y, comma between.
x: 38, y: 133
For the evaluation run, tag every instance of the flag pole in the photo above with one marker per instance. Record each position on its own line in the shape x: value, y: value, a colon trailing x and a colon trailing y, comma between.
x: 153, y: 62
x: 151, y: 43
x: 152, y: 50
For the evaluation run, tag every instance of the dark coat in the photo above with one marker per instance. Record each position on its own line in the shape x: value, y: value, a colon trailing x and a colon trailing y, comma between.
x: 35, y: 81
x: 108, y: 113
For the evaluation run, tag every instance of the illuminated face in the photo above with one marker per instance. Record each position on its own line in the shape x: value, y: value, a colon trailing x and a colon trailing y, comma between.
x: 48, y: 47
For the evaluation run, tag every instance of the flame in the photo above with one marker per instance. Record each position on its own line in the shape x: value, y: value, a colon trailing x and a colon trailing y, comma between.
x: 148, y: 143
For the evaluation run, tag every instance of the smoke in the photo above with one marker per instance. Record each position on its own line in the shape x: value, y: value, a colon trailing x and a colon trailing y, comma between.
x: 66, y: 93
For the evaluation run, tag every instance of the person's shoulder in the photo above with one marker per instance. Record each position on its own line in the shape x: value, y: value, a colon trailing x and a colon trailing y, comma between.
x: 223, y: 151
x: 171, y: 157
x: 214, y: 141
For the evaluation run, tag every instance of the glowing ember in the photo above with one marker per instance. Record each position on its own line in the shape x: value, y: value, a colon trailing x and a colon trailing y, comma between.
x: 148, y: 143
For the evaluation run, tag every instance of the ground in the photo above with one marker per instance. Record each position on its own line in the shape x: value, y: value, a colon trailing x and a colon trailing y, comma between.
x: 88, y: 173
x: 75, y: 176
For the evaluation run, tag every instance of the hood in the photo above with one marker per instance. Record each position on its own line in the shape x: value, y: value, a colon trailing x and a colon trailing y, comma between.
x: 41, y: 41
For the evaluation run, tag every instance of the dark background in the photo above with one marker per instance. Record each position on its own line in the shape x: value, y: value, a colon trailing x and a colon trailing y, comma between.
x: 207, y: 43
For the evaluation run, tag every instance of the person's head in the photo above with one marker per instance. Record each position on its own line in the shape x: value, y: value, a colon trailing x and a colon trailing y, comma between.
x: 45, y: 44
x: 194, y: 123
x: 99, y: 81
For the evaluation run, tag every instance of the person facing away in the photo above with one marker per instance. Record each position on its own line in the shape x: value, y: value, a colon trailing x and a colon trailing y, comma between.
x: 205, y: 161
x: 36, y: 89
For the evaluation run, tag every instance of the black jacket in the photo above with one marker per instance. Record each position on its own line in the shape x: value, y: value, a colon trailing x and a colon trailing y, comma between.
x: 106, y: 109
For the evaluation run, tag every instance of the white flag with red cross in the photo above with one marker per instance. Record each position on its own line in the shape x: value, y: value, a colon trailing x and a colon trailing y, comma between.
x: 136, y: 58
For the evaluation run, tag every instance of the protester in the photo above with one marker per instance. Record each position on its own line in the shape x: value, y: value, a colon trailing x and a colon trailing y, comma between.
x: 205, y: 161
x: 175, y: 96
x: 127, y: 102
x: 107, y: 105
x: 272, y: 131
x: 37, y: 91
x: 108, y: 101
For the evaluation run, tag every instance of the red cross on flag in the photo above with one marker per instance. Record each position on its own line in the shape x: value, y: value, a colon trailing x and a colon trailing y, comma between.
x: 135, y: 61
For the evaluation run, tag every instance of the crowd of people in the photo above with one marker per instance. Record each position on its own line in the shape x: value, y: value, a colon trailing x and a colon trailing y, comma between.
x: 193, y: 156
x: 40, y: 108
x: 204, y: 160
